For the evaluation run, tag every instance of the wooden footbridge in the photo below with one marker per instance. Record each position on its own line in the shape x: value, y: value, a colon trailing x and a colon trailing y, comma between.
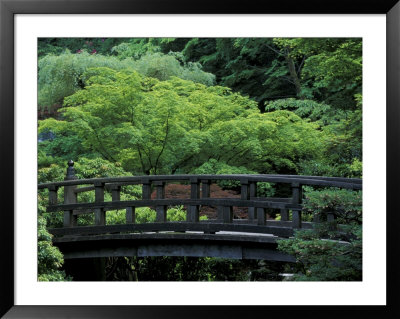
x: 251, y: 238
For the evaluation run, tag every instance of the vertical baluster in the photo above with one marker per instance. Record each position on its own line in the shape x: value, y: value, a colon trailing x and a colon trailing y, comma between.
x: 130, y: 215
x: 53, y: 195
x: 316, y: 218
x: 261, y: 216
x: 70, y: 197
x: 296, y: 199
x: 284, y: 214
x: 99, y: 213
x: 331, y: 219
x: 205, y: 188
x: 252, y: 212
x: 244, y: 189
x: 116, y: 193
x: 227, y: 214
x: 116, y: 196
x: 220, y: 213
x: 161, y: 210
x: 146, y: 188
x: 193, y: 210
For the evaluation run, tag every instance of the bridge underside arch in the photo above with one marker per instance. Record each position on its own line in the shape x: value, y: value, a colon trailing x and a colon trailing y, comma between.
x: 172, y: 244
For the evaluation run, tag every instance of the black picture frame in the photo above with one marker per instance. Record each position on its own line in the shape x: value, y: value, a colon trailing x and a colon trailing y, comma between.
x: 8, y: 8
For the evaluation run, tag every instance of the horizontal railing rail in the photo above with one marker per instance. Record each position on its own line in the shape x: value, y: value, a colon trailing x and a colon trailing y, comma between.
x: 355, y: 184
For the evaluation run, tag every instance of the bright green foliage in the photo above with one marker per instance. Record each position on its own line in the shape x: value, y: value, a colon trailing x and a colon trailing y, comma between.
x: 323, y: 259
x: 154, y: 127
x: 95, y: 168
x: 53, y: 173
x: 136, y: 48
x: 50, y: 258
x: 147, y: 215
x: 307, y: 109
x: 162, y: 67
x: 59, y: 76
x: 345, y: 139
x: 324, y: 167
x: 345, y: 204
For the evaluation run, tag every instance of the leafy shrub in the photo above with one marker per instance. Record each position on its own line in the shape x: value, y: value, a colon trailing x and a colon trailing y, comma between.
x: 52, y: 173
x: 49, y: 257
x: 324, y: 260
x: 98, y: 167
x: 345, y: 204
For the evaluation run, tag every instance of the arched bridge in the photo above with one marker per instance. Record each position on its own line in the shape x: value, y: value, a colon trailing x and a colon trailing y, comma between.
x: 253, y: 237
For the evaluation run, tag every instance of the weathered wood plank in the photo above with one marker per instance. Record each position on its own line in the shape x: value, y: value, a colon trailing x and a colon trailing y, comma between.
x: 261, y: 216
x: 296, y: 218
x: 70, y: 220
x: 99, y: 216
x: 304, y: 180
x: 244, y: 189
x: 174, y: 226
x: 205, y: 188
x: 284, y: 214
x: 116, y: 193
x: 227, y: 214
x: 130, y: 215
x: 161, y: 210
x: 331, y: 219
x: 192, y: 214
x: 53, y: 195
x: 98, y: 192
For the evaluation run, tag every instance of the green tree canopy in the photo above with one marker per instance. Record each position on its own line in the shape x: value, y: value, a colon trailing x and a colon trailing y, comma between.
x: 155, y: 127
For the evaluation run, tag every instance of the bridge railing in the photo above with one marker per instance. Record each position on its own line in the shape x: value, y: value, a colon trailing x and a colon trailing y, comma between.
x: 199, y: 196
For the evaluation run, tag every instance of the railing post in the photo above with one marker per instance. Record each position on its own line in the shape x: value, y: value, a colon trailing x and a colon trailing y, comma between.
x: 252, y: 212
x: 284, y: 214
x: 53, y: 195
x: 130, y: 215
x: 220, y: 213
x: 70, y: 197
x: 261, y: 216
x: 116, y: 193
x: 227, y: 214
x: 244, y: 190
x: 161, y: 211
x: 296, y: 199
x: 316, y: 218
x: 99, y: 213
x: 205, y: 188
x: 146, y: 188
x: 331, y: 219
x: 193, y: 210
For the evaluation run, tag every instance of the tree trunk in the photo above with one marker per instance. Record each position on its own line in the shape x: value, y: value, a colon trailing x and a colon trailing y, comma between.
x: 293, y: 73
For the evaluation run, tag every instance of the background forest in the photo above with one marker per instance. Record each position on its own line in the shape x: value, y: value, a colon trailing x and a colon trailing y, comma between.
x: 140, y: 106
